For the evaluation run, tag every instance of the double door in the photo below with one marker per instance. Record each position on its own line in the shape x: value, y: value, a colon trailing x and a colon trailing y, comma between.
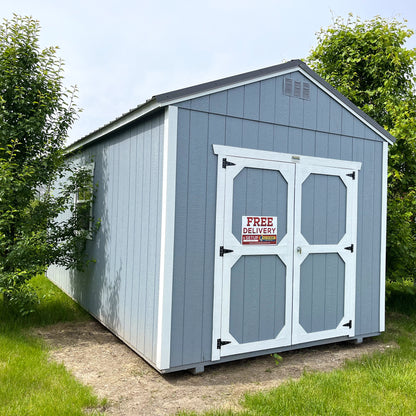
x: 286, y: 250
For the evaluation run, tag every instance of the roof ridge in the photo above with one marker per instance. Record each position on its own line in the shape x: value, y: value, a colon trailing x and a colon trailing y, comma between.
x: 160, y: 100
x: 222, y: 82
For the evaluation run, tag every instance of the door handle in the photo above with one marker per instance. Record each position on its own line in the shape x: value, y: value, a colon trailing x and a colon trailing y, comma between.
x: 299, y: 250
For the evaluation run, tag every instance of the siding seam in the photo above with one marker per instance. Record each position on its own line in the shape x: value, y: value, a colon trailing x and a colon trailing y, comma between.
x: 284, y: 125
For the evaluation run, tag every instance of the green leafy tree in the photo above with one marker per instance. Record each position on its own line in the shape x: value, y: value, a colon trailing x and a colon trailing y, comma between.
x: 368, y: 62
x: 36, y: 112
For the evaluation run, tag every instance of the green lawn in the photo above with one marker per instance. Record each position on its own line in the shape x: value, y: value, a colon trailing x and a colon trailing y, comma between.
x: 30, y: 384
x: 382, y: 384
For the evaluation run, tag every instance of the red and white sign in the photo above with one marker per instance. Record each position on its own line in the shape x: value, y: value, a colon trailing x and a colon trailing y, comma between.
x: 259, y: 230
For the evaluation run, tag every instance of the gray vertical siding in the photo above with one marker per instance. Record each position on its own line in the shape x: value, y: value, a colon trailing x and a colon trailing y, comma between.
x: 121, y: 288
x: 260, y: 116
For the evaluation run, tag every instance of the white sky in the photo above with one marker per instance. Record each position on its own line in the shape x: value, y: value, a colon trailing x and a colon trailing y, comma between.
x: 120, y: 53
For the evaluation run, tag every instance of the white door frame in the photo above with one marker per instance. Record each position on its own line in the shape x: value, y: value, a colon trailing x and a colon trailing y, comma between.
x: 260, y: 156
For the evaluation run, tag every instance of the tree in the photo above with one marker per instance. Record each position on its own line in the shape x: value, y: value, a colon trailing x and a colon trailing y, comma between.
x: 36, y: 112
x: 368, y: 63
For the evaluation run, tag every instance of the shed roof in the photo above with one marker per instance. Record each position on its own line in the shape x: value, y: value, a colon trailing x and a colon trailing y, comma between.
x: 172, y: 97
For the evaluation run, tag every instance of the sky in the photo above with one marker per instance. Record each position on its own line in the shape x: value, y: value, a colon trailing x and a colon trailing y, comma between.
x: 121, y: 53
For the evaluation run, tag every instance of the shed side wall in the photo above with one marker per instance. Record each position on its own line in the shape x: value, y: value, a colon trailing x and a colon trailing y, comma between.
x: 121, y: 288
x: 260, y: 116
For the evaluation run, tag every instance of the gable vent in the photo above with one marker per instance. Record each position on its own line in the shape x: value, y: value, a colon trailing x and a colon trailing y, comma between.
x: 306, y: 93
x: 288, y: 86
x: 297, y: 89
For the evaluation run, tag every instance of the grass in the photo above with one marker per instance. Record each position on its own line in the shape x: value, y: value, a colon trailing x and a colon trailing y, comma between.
x: 380, y: 384
x: 30, y: 384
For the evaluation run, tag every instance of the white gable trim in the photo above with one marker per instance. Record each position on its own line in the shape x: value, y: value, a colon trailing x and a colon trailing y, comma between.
x: 275, y: 74
x: 154, y: 104
x: 230, y: 86
x: 112, y: 126
x: 145, y: 109
x: 343, y: 104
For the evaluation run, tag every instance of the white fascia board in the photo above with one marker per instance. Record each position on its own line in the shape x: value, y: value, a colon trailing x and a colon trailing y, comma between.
x: 383, y: 238
x: 145, y: 109
x: 345, y: 105
x: 154, y: 104
x: 230, y: 86
x: 164, y: 319
x: 275, y: 74
x: 109, y: 128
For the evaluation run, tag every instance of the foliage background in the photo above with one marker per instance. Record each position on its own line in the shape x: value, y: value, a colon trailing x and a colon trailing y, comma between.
x: 368, y: 62
x: 36, y: 112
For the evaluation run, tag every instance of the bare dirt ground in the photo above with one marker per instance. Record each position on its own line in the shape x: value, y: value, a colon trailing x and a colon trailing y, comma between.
x: 97, y: 358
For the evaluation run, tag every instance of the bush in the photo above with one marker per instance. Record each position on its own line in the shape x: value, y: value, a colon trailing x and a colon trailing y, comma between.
x: 401, y: 296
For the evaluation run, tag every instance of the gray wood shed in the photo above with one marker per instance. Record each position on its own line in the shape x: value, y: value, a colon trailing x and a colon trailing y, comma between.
x: 238, y: 217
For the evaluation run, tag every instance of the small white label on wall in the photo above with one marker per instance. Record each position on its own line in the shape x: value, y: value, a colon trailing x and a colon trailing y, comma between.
x: 258, y: 230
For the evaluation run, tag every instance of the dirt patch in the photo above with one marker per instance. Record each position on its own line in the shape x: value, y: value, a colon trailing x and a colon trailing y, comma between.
x: 99, y: 359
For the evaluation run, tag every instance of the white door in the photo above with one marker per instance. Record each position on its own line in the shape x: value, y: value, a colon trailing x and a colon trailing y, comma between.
x: 273, y: 272
x: 324, y: 253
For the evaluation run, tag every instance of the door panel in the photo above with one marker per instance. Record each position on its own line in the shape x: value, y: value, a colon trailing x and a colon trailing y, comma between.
x: 321, y: 297
x: 324, y: 269
x: 256, y: 283
x: 324, y: 199
x: 301, y: 286
x: 257, y: 304
x: 261, y: 192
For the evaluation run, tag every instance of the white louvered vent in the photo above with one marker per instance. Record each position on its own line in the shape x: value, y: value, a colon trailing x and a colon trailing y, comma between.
x: 288, y: 86
x: 297, y: 89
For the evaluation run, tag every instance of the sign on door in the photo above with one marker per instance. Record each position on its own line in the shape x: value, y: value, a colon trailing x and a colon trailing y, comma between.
x: 258, y: 230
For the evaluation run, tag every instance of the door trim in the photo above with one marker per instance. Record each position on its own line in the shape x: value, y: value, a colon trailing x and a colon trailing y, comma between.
x: 283, y: 250
x: 225, y: 151
x: 222, y: 152
x: 299, y: 335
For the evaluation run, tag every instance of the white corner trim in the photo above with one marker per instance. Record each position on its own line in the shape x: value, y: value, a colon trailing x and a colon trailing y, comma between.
x: 167, y: 238
x: 383, y: 238
x: 343, y: 104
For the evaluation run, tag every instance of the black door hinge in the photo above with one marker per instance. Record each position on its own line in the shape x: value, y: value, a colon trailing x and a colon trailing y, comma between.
x: 226, y: 163
x: 348, y: 324
x: 220, y: 343
x: 350, y: 248
x: 224, y: 251
x: 351, y: 175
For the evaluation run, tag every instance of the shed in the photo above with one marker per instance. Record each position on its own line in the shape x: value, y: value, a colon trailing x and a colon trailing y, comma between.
x: 239, y: 217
